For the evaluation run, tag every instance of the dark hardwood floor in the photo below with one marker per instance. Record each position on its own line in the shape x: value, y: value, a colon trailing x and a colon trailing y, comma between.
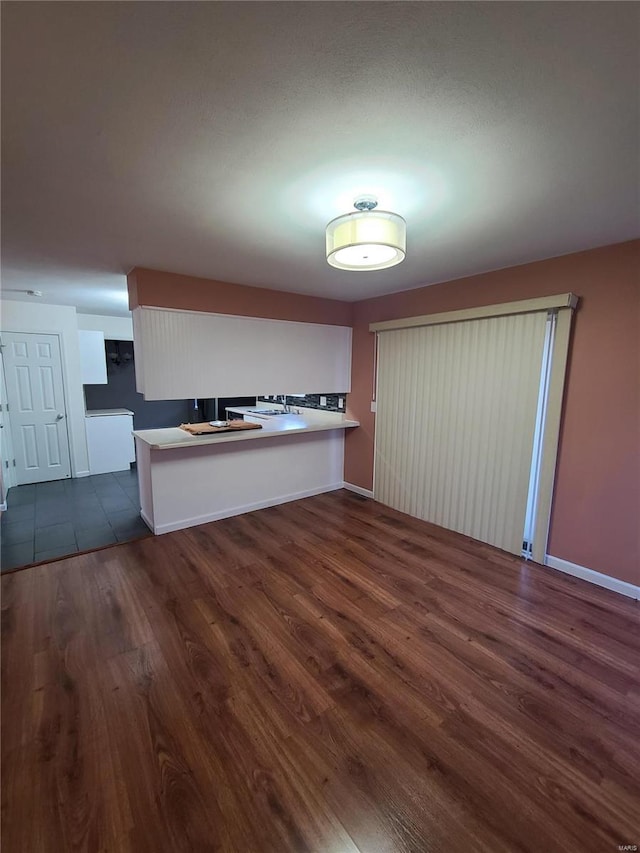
x: 326, y: 676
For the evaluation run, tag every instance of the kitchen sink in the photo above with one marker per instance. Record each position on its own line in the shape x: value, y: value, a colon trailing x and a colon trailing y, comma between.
x: 269, y: 412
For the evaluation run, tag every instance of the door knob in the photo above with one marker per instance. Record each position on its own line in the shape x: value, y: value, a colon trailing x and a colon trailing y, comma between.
x: 59, y: 417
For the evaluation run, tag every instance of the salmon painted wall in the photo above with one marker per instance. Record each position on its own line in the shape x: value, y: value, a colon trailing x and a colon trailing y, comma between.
x: 170, y: 290
x: 596, y: 510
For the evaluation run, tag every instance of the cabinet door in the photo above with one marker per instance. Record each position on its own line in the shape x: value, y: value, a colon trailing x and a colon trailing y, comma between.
x: 182, y: 354
x: 93, y: 361
x: 110, y: 443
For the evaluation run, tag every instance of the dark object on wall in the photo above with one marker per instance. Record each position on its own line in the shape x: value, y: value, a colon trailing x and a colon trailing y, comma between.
x: 119, y: 352
x: 120, y: 392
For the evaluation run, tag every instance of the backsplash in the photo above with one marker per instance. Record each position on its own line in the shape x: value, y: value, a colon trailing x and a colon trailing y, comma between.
x: 334, y: 402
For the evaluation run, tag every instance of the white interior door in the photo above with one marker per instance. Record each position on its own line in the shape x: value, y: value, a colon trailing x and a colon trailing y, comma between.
x: 37, y: 411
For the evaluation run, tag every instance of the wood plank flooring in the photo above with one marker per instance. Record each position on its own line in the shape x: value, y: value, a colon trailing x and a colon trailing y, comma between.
x: 327, y: 676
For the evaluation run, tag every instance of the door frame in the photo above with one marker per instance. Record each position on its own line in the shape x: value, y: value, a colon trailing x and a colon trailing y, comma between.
x: 63, y: 373
x: 6, y: 442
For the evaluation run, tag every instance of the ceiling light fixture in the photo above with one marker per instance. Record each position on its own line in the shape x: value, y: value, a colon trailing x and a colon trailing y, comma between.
x: 368, y: 239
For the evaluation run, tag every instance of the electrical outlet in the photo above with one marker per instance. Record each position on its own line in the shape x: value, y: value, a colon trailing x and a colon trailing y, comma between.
x: 323, y: 401
x: 340, y: 402
x: 374, y: 406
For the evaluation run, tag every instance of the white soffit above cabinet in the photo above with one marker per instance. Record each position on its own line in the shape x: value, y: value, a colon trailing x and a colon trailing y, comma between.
x: 184, y: 354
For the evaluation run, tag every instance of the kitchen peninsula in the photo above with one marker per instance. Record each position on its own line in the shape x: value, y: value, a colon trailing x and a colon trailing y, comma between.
x: 187, y: 480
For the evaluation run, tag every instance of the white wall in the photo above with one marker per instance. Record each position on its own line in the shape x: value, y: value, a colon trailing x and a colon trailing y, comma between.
x: 114, y: 328
x: 63, y: 321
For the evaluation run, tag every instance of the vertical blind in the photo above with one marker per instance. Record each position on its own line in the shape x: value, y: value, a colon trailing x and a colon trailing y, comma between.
x: 456, y: 416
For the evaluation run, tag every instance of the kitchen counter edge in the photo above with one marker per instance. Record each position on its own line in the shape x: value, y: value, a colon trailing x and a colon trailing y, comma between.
x: 175, y: 438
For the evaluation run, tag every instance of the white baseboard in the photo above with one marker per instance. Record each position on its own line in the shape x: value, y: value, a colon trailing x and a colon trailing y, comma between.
x: 614, y: 584
x: 366, y: 493
x: 82, y: 474
x: 238, y: 510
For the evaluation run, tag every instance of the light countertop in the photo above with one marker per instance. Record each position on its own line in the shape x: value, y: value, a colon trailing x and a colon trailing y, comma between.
x: 272, y: 427
x: 105, y: 413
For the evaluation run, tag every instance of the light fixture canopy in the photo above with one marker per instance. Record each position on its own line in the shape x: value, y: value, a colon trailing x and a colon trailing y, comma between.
x: 368, y: 239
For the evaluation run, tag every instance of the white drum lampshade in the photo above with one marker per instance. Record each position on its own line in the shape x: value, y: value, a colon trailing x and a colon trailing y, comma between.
x: 367, y: 239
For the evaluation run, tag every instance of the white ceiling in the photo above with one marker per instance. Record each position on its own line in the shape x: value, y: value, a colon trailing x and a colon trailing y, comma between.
x: 217, y: 139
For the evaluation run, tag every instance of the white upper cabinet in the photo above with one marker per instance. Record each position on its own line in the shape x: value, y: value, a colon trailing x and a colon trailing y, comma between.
x: 93, y: 360
x: 184, y: 354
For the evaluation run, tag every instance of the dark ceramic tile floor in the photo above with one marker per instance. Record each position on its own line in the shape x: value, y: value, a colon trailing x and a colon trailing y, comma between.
x: 50, y: 520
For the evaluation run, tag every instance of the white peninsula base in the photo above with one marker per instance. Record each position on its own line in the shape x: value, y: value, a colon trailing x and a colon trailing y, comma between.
x: 191, y: 481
